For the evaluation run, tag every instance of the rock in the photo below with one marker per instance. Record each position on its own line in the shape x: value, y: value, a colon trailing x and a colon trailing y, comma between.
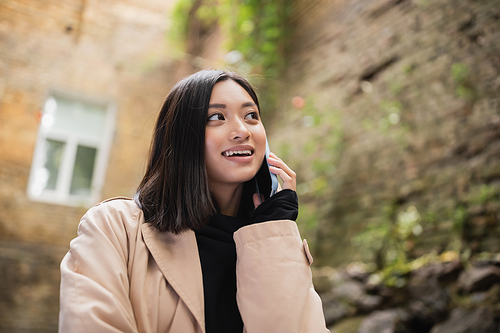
x: 479, y: 279
x: 391, y: 296
x: 481, y: 320
x: 355, y: 293
x: 429, y: 292
x: 445, y: 271
x: 335, y: 311
x: 322, y: 284
x: 349, y: 290
x: 483, y: 263
x: 367, y: 303
x: 450, y: 271
x: 348, y: 325
x: 323, y: 278
x: 428, y: 301
x: 387, y: 321
x: 424, y: 317
x: 489, y: 299
x: 358, y: 271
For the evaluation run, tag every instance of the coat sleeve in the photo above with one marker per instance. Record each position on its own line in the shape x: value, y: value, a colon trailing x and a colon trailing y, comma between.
x: 274, y: 280
x: 94, y: 280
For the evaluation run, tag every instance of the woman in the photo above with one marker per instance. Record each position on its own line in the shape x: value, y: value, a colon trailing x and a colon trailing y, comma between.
x: 196, y: 251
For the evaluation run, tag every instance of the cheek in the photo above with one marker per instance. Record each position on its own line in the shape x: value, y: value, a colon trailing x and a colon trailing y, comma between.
x: 210, y: 149
x: 260, y: 137
x: 214, y: 140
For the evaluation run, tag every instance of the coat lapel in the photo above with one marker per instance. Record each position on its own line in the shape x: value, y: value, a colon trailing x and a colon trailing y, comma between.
x: 178, y: 259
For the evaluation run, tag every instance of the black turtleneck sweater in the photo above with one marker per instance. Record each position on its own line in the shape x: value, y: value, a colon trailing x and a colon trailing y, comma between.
x: 218, y: 258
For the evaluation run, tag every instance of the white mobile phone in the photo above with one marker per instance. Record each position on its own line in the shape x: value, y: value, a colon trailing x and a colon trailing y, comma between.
x: 274, y: 178
x: 267, y: 180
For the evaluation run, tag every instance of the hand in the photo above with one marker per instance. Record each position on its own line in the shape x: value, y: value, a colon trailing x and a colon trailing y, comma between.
x: 287, y: 175
x: 278, y: 167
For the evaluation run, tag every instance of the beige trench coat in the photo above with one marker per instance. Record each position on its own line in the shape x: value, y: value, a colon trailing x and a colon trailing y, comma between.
x: 122, y: 275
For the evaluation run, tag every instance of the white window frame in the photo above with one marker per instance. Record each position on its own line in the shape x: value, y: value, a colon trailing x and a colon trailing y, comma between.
x: 61, y: 194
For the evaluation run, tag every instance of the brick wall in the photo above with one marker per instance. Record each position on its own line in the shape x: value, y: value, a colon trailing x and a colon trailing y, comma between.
x: 115, y: 50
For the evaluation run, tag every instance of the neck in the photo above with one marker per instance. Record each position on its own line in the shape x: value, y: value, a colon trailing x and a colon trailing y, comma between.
x: 228, y: 198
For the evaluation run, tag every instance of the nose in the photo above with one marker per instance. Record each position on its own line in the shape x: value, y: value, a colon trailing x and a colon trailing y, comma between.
x: 239, y: 131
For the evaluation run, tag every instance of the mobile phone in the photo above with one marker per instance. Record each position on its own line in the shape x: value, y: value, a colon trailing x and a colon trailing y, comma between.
x: 274, y: 178
x: 266, y: 182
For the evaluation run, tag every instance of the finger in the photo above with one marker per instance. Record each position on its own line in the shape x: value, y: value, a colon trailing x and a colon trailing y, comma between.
x: 285, y: 173
x: 289, y: 181
x: 281, y: 165
x: 278, y: 163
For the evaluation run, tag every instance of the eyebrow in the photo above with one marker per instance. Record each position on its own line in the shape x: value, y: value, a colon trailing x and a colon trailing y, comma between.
x: 217, y: 106
x: 223, y: 106
x: 248, y: 104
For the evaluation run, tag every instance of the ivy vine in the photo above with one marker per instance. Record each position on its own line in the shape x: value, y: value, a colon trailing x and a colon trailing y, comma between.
x: 256, y: 35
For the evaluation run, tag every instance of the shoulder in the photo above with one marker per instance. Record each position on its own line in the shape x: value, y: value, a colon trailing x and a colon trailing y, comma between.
x: 116, y: 204
x: 114, y: 213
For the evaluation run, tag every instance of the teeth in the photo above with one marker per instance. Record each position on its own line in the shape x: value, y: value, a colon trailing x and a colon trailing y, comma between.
x: 239, y: 152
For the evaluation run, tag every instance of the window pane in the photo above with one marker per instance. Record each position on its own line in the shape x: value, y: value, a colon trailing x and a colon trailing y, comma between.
x: 78, y: 117
x: 53, y: 155
x: 83, y: 171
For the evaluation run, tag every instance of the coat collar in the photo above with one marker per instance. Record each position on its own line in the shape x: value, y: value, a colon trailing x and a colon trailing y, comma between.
x: 178, y: 259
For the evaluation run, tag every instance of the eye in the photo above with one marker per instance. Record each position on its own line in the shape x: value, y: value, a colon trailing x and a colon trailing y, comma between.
x: 216, y: 116
x: 252, y: 115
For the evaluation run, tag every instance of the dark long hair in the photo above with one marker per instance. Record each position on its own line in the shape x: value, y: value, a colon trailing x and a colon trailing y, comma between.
x: 174, y: 193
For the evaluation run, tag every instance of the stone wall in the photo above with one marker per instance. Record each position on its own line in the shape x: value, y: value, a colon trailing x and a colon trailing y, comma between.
x: 116, y: 50
x: 402, y: 119
x: 442, y: 296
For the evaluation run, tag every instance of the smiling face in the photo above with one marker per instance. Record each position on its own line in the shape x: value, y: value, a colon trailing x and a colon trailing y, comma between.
x: 235, y: 139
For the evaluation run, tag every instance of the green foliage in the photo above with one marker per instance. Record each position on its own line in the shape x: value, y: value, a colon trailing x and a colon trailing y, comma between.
x: 459, y: 72
x: 465, y: 92
x: 372, y: 239
x: 395, y: 87
x: 257, y: 37
x: 486, y: 193
x: 179, y: 29
x: 315, y: 158
x: 320, y: 151
x: 307, y: 222
x: 387, y: 241
x: 207, y: 13
x: 258, y: 32
x: 389, y: 238
x: 310, y: 146
x: 423, y: 3
x: 395, y: 274
x: 407, y: 223
x: 391, y: 106
x: 409, y: 68
x: 256, y: 29
x: 459, y: 218
x: 482, y: 194
x: 461, y: 75
x: 285, y: 150
x: 367, y: 124
x: 430, y: 217
x: 308, y: 218
x: 392, y: 115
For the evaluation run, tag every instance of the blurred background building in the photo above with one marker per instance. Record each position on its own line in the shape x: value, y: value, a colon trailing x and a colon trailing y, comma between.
x: 388, y: 110
x: 80, y: 85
